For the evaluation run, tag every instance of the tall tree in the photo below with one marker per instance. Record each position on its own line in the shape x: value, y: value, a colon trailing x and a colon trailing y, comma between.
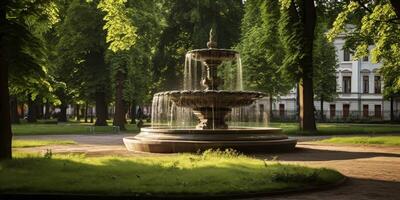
x: 5, y: 125
x: 261, y: 49
x: 21, y: 57
x: 130, y: 55
x: 81, y: 51
x: 298, y: 20
x: 325, y: 64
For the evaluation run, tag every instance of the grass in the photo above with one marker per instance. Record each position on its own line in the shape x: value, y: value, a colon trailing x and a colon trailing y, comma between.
x: 379, y: 140
x: 74, y: 127
x: 64, y: 128
x: 210, y: 173
x: 339, y: 128
x: 39, y: 143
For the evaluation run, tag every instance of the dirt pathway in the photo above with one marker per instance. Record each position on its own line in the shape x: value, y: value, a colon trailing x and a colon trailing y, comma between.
x: 374, y: 172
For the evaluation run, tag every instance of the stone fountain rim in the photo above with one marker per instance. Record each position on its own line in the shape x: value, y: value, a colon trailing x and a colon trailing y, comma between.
x: 176, y: 130
x: 218, y: 92
x: 213, y: 49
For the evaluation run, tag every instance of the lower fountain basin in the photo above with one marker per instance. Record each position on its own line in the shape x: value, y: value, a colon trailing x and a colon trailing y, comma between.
x: 164, y: 140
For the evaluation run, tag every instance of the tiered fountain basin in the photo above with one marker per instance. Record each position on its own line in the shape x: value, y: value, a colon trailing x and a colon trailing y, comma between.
x: 211, y: 106
x: 167, y: 140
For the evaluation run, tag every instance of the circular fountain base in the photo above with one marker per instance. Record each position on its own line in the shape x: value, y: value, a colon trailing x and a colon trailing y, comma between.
x: 163, y: 140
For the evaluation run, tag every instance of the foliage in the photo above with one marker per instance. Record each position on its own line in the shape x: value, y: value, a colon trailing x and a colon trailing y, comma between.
x: 27, y: 23
x: 187, y: 26
x: 121, y: 33
x: 81, y: 49
x: 261, y: 48
x: 185, y: 174
x: 325, y: 64
x: 379, y: 26
x: 290, y: 30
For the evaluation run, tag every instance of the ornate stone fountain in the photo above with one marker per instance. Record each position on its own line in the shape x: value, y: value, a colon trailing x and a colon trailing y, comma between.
x: 210, y: 106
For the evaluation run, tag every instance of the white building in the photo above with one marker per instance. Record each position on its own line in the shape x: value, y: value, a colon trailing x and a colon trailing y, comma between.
x: 359, y: 87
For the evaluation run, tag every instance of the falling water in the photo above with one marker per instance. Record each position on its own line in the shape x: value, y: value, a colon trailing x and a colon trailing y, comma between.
x: 239, y: 73
x: 166, y: 113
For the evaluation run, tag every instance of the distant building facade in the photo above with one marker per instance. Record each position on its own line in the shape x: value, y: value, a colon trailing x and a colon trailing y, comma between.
x: 359, y: 86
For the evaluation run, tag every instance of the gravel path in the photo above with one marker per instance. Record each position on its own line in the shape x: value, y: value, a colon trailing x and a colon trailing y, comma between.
x: 374, y: 172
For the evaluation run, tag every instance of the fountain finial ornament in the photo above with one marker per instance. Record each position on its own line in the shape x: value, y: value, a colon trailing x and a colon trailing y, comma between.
x: 211, y: 44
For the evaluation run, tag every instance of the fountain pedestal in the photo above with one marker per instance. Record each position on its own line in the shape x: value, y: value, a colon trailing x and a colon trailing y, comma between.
x: 211, y: 118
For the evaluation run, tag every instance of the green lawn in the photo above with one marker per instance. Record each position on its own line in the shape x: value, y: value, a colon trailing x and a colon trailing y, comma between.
x: 288, y: 128
x: 64, y: 128
x: 38, y: 143
x: 213, y: 172
x: 378, y: 140
x: 339, y: 128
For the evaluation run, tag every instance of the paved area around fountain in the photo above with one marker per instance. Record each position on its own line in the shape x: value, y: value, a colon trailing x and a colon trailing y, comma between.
x: 374, y: 172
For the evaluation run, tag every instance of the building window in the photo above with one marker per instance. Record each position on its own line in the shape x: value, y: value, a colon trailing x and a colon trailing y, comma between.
x: 377, y: 84
x: 366, y: 84
x: 346, y: 110
x: 365, y: 110
x: 365, y: 58
x: 281, y: 109
x: 332, y: 110
x: 346, y: 84
x: 346, y: 55
x: 378, y: 111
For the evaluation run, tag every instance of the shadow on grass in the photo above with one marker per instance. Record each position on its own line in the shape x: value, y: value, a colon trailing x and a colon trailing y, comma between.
x: 307, y: 154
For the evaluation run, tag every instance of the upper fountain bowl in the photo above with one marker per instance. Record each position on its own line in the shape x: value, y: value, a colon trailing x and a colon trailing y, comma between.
x: 212, y: 98
x: 212, y: 54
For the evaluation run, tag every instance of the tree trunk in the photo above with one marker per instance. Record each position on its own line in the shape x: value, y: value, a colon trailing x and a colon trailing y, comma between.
x: 133, y: 112
x: 298, y: 101
x: 119, y: 116
x: 62, y: 116
x: 47, y: 110
x: 77, y: 114
x: 306, y: 95
x: 91, y: 114
x: 5, y: 125
x: 101, y: 109
x: 39, y: 107
x: 271, y: 113
x: 22, y: 115
x: 391, y: 109
x: 322, y: 109
x: 107, y: 112
x: 396, y: 7
x: 32, y: 110
x: 86, y: 112
x: 14, y: 110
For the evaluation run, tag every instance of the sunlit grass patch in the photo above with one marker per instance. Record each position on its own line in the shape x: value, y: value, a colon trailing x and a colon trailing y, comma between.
x: 378, y: 140
x: 38, y: 143
x: 339, y: 128
x: 213, y: 172
x: 66, y: 128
